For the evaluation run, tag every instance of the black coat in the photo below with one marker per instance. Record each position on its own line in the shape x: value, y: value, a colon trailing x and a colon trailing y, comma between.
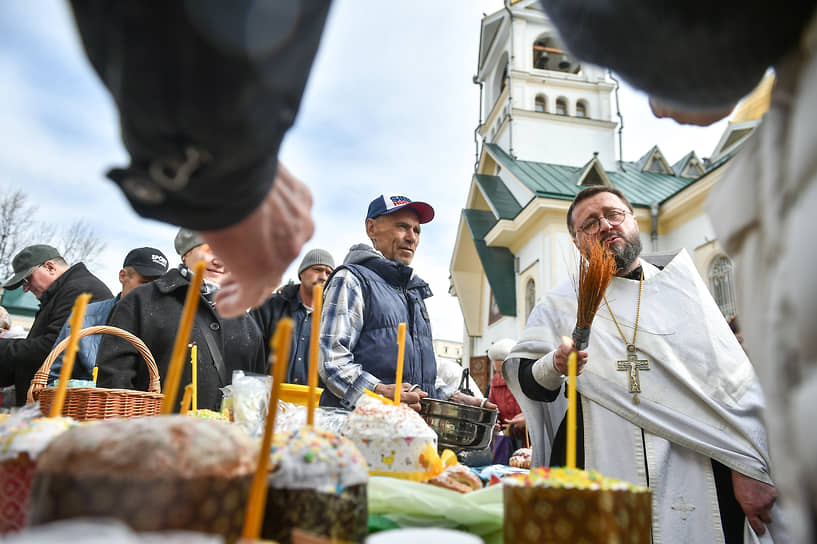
x: 152, y: 312
x: 20, y: 358
x: 281, y: 304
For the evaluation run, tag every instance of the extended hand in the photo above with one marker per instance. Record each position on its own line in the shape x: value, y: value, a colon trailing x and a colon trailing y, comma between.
x: 257, y: 250
x: 702, y: 118
x: 756, y: 500
x: 462, y: 398
x: 560, y: 359
x: 412, y: 398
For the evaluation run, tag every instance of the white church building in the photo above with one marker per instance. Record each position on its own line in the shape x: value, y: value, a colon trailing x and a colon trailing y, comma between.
x: 548, y: 128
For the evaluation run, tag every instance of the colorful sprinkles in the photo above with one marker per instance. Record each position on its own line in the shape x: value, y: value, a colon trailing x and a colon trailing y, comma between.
x: 570, y: 478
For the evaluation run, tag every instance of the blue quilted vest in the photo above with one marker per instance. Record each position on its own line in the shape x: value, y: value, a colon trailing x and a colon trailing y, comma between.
x: 392, y: 296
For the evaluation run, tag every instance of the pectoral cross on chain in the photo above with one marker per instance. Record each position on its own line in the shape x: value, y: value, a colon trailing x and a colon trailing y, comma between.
x: 632, y: 365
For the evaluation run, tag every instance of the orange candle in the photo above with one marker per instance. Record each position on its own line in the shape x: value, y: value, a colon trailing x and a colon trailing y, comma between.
x: 401, y: 351
x: 174, y: 370
x: 281, y: 341
x: 571, y: 411
x: 314, y: 339
x: 67, y: 370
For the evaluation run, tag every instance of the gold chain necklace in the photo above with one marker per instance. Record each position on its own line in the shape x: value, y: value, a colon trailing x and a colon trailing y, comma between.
x: 632, y: 364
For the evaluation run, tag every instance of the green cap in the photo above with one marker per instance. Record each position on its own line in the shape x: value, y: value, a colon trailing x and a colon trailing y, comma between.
x: 28, y: 258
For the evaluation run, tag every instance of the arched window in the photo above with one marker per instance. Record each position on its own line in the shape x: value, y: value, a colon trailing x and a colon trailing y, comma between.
x: 581, y: 109
x: 561, y: 106
x: 540, y: 53
x: 539, y: 103
x: 530, y: 297
x: 721, y: 283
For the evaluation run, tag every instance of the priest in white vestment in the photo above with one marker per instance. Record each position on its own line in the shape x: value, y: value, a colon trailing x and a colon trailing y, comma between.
x: 667, y: 393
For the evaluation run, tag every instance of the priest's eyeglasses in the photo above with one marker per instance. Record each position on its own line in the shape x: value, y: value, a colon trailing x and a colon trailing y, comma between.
x: 613, y: 218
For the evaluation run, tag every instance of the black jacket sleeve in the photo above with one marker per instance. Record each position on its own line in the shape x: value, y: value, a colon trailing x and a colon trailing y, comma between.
x: 530, y: 386
x: 205, y: 92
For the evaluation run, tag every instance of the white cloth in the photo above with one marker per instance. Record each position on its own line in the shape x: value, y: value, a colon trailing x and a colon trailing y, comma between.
x: 700, y: 398
x: 763, y: 212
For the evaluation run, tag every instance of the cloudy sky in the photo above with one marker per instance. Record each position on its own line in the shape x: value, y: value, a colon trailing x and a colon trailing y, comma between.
x: 390, y: 107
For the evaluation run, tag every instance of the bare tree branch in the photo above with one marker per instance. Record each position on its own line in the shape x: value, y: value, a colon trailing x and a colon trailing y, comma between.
x: 16, y: 220
x: 19, y: 228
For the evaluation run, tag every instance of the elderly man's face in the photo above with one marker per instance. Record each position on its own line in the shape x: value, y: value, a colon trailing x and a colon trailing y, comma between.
x: 215, y: 268
x: 40, y: 279
x: 622, y: 240
x: 396, y: 235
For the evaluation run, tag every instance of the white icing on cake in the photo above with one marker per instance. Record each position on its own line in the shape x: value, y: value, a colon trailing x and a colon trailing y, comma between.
x: 31, y: 437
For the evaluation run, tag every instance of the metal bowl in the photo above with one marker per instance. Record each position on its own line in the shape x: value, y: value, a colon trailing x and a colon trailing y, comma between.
x: 459, y: 426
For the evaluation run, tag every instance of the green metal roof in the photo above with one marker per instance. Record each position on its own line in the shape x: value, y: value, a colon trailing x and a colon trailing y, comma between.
x: 559, y: 181
x: 498, y: 195
x: 18, y: 302
x: 497, y: 262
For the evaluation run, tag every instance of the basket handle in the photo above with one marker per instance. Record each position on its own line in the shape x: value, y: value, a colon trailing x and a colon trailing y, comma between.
x: 41, y: 376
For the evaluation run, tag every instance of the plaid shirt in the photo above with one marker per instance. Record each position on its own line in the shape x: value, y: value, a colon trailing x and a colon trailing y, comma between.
x: 341, y: 323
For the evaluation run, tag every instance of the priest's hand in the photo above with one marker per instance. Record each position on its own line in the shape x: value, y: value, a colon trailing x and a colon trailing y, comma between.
x: 409, y: 394
x: 560, y: 359
x: 756, y: 500
x: 701, y: 118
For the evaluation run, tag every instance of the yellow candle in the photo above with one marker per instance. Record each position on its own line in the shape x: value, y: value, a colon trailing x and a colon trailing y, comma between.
x: 75, y: 323
x: 571, y: 410
x: 96, y: 373
x: 174, y: 370
x: 314, y: 339
x: 401, y: 351
x: 281, y: 341
x: 194, y: 380
x: 188, y: 394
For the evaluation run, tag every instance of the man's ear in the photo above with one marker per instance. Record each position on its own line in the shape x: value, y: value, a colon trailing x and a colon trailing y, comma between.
x: 123, y: 276
x: 370, y: 228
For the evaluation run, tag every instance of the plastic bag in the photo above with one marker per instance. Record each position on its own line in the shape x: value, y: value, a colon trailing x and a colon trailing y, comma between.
x: 412, y: 504
x: 250, y: 393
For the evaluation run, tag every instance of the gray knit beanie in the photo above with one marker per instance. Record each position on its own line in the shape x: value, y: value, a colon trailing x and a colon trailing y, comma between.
x: 315, y: 257
x: 186, y: 240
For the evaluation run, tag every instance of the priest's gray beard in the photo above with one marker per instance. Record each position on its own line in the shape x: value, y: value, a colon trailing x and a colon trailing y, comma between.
x: 627, y: 254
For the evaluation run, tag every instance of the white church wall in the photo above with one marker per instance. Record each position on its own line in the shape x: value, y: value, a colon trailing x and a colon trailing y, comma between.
x: 690, y: 235
x: 557, y: 142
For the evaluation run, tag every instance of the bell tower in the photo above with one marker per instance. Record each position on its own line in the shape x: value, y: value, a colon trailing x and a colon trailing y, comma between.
x: 537, y: 102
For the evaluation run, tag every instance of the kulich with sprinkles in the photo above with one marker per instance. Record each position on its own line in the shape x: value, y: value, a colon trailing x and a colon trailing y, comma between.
x: 317, y: 482
x: 551, y: 505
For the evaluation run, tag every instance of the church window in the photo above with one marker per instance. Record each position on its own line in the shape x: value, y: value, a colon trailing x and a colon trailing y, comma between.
x: 530, y: 297
x: 493, y: 310
x: 561, y: 106
x: 539, y: 103
x: 721, y: 283
x: 581, y: 108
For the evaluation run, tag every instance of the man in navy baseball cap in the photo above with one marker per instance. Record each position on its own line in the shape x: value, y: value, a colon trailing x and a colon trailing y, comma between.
x: 365, y: 300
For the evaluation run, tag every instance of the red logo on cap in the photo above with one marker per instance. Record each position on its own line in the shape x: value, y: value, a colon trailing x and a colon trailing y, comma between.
x: 399, y: 200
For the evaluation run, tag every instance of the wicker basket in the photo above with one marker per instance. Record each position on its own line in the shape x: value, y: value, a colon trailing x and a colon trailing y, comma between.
x: 83, y: 403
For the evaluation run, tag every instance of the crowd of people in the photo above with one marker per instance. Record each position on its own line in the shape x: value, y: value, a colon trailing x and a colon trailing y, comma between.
x: 366, y: 298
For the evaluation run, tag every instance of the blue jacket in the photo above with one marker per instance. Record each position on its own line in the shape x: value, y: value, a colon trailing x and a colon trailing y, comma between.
x: 392, y: 296
x: 95, y: 314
